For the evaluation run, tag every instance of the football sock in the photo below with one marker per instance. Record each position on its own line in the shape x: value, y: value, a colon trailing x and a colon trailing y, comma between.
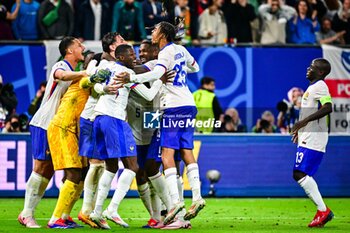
x: 310, y: 186
x: 35, y: 190
x: 145, y: 195
x: 123, y: 187
x: 193, y: 179
x: 180, y: 188
x: 156, y: 203
x: 65, y: 198
x: 170, y: 177
x: 77, y: 194
x: 104, y: 185
x: 90, y: 187
x: 160, y: 186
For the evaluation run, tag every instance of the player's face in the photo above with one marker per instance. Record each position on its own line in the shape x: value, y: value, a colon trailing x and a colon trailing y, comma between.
x: 77, y: 49
x: 145, y: 53
x: 311, y: 72
x: 130, y: 59
x: 156, y: 35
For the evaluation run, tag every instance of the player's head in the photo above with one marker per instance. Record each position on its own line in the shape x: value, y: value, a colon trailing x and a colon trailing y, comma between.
x: 148, y: 51
x: 208, y: 83
x: 125, y: 54
x: 163, y: 31
x: 72, y: 47
x: 110, y: 42
x: 318, y: 69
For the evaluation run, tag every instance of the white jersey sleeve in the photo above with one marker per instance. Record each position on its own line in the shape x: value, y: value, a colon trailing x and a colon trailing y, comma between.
x: 55, y: 89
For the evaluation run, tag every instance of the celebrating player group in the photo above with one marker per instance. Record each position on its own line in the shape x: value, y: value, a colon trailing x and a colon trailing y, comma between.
x: 90, y: 120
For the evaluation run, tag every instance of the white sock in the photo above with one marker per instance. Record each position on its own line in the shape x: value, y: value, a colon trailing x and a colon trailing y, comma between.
x: 42, y: 189
x: 155, y: 202
x: 180, y: 187
x: 90, y: 188
x: 145, y: 195
x: 123, y: 187
x: 104, y: 185
x: 193, y: 179
x: 170, y: 177
x: 33, y: 194
x: 310, y: 186
x: 160, y: 186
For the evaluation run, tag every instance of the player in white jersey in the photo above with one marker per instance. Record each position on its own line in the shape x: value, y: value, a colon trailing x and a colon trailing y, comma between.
x: 114, y: 139
x: 62, y: 74
x: 87, y: 148
x: 149, y: 163
x: 179, y: 110
x: 311, y: 134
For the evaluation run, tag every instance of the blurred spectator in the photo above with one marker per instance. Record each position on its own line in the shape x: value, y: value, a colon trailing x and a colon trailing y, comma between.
x: 94, y: 20
x: 8, y: 101
x: 182, y: 11
x: 320, y: 7
x: 212, y: 25
x: 332, y: 7
x: 12, y: 124
x: 128, y: 20
x: 341, y: 20
x: 56, y: 19
x: 232, y: 122
x: 194, y: 27
x: 239, y: 14
x: 152, y: 14
x: 327, y: 36
x: 301, y: 28
x: 289, y: 110
x: 25, y: 26
x: 207, y: 104
x: 36, y: 102
x: 23, y: 120
x: 266, y: 124
x: 6, y: 17
x: 274, y: 17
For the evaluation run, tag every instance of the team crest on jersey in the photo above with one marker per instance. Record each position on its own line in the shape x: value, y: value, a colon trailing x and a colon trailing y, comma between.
x: 306, y: 95
x: 132, y: 148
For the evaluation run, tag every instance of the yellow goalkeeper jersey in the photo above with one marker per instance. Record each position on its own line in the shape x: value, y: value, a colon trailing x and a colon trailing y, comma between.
x: 71, y: 106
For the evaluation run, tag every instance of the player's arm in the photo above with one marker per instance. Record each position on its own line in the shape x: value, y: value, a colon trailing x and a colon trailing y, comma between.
x: 147, y: 93
x: 66, y: 75
x: 153, y: 75
x: 192, y: 66
x: 326, y: 108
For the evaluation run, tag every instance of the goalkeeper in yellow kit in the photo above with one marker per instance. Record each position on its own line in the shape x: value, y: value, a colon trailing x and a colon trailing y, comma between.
x: 63, y: 141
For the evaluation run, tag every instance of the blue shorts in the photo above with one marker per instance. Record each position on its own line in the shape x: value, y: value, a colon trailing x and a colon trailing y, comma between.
x: 307, y: 160
x: 114, y: 138
x: 40, y: 145
x: 87, y: 142
x: 142, y: 152
x: 176, y: 130
x: 155, y: 150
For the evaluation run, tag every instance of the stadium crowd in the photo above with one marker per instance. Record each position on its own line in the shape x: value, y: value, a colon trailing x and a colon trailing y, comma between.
x: 205, y: 21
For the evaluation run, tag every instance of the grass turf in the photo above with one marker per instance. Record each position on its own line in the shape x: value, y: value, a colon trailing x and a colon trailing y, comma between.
x: 220, y: 215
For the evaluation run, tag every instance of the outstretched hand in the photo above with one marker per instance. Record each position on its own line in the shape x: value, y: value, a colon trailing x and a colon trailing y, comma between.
x: 122, y: 78
x: 168, y: 77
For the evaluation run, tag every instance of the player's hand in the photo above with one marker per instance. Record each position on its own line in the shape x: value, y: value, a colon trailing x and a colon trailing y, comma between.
x: 112, y: 88
x: 100, y: 76
x: 295, y: 138
x: 297, y: 126
x: 168, y: 77
x: 122, y: 78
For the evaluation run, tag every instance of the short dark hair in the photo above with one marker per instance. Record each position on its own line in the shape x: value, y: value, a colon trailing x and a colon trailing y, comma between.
x: 122, y: 49
x: 107, y: 40
x: 64, y: 44
x: 206, y: 80
x: 323, y: 65
x: 168, y: 30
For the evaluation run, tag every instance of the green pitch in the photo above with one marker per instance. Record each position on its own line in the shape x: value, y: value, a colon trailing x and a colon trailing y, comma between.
x: 220, y: 215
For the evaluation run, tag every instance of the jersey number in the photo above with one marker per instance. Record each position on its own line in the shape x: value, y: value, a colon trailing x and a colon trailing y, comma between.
x: 180, y: 78
x: 299, y: 157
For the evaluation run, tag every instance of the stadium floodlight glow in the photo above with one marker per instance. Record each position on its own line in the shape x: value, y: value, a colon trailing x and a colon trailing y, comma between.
x: 213, y: 176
